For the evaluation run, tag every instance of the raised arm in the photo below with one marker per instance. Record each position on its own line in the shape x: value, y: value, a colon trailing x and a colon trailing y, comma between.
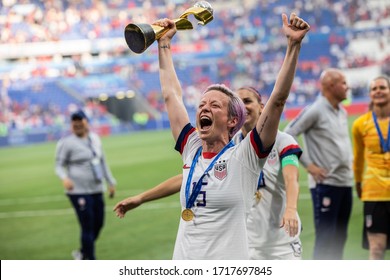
x: 295, y: 30
x: 170, y: 85
x: 166, y: 188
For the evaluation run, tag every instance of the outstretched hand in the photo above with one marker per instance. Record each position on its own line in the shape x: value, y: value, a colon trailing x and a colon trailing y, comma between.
x: 290, y: 222
x: 294, y: 28
x: 127, y: 204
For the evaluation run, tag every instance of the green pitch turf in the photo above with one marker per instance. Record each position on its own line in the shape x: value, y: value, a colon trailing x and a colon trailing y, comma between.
x: 38, y: 223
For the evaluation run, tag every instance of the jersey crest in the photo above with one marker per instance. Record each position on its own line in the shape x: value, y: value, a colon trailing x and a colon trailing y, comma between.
x: 272, y: 158
x: 220, y: 170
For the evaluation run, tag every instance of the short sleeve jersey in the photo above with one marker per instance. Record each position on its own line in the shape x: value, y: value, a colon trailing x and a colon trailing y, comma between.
x: 218, y: 230
x: 264, y: 219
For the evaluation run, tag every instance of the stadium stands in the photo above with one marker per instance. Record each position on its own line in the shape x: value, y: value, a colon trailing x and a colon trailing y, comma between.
x: 63, y: 53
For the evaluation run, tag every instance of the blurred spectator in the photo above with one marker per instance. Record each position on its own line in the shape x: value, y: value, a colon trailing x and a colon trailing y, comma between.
x: 344, y: 34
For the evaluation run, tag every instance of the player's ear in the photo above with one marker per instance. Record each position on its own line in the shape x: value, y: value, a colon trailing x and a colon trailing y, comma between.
x: 232, y: 122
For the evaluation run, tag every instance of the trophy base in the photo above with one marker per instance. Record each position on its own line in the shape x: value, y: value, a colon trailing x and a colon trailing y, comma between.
x: 139, y: 37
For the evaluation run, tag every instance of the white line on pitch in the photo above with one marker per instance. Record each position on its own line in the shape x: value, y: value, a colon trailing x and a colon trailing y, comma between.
x: 68, y: 211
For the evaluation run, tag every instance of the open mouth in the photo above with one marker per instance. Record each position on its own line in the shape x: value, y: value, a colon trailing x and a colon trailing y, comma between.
x: 205, y: 123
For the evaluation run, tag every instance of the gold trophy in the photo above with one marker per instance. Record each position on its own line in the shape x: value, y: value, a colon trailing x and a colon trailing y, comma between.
x: 140, y: 36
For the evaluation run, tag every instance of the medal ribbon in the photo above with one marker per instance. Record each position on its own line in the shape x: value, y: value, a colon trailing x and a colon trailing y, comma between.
x: 384, y: 145
x: 190, y: 199
x: 260, y: 183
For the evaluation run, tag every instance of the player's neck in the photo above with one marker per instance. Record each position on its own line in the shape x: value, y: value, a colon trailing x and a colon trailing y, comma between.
x: 245, y: 130
x: 214, y: 147
x: 382, y: 112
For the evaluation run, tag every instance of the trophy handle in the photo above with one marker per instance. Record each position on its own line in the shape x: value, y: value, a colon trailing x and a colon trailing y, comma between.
x: 183, y: 24
x: 203, y: 15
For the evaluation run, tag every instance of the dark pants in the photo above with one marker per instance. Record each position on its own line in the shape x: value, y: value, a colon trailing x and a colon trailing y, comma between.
x: 90, y: 212
x: 332, y: 210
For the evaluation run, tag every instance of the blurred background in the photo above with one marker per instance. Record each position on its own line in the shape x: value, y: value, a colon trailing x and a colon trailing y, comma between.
x: 57, y: 56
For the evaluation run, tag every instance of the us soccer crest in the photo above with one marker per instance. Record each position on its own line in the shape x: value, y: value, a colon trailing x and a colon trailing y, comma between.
x: 272, y: 157
x: 220, y: 169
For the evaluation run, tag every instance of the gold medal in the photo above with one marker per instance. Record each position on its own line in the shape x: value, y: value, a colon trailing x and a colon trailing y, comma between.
x: 187, y: 215
x: 258, y: 196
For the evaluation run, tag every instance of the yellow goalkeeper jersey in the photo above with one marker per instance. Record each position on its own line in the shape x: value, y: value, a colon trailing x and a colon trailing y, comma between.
x: 371, y: 165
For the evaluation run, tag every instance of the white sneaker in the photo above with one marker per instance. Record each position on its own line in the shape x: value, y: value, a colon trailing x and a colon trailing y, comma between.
x: 77, y: 255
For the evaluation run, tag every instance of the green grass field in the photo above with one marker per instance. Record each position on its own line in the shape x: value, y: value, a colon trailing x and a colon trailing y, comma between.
x: 38, y: 223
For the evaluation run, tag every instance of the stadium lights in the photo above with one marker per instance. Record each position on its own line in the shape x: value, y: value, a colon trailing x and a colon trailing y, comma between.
x: 130, y: 94
x: 120, y: 95
x: 103, y: 97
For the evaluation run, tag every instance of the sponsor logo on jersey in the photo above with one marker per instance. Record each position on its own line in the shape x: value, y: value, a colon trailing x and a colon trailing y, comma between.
x: 220, y: 170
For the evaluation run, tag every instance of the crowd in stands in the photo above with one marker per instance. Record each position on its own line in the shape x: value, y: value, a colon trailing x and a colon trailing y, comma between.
x: 242, y: 45
x: 27, y: 117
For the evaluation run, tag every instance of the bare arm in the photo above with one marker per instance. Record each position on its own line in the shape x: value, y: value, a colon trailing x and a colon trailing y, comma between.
x: 170, y: 85
x: 295, y: 30
x: 290, y: 217
x: 164, y: 189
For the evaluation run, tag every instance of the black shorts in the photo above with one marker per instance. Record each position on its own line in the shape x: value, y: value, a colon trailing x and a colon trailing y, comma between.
x: 376, y: 220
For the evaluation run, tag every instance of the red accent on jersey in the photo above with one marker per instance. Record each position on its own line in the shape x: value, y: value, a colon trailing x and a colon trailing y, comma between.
x: 209, y: 155
x: 255, y: 146
x: 286, y: 149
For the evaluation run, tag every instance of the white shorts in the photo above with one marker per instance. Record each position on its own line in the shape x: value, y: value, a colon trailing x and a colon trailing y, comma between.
x: 290, y: 251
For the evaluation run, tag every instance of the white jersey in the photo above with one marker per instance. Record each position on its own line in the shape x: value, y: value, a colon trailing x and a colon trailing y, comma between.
x: 264, y: 232
x: 218, y: 230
